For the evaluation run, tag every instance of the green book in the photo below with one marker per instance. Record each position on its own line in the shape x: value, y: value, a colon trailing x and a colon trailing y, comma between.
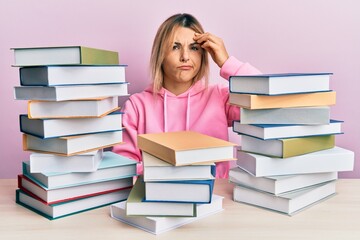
x: 136, y: 206
x: 287, y: 147
x: 64, y: 55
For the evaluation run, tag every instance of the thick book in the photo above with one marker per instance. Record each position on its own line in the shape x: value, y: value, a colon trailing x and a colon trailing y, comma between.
x: 282, y: 83
x: 70, y: 146
x: 61, y: 127
x: 64, y: 55
x: 158, y: 225
x: 84, y: 162
x: 287, y: 147
x: 71, y: 75
x: 299, y: 115
x: 191, y: 191
x: 86, y: 108
x: 278, y: 185
x: 275, y: 131
x: 290, y: 203
x: 336, y: 159
x: 112, y: 166
x: 136, y: 206
x: 156, y: 169
x: 58, y: 210
x: 186, y: 147
x: 66, y: 194
x: 253, y: 101
x: 70, y: 92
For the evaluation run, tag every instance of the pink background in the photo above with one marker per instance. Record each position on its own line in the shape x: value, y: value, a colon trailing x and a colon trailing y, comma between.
x: 275, y: 36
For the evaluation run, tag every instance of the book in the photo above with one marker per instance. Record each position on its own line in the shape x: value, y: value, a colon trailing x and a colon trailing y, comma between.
x: 55, y: 211
x: 290, y: 203
x: 70, y: 146
x: 66, y: 194
x: 275, y: 131
x: 158, y: 225
x: 136, y: 206
x: 287, y: 147
x: 191, y: 191
x: 70, y: 92
x: 71, y: 75
x: 253, y: 101
x: 60, y: 127
x: 72, y: 108
x: 278, y: 185
x: 156, y: 169
x: 299, y: 115
x: 186, y: 147
x: 282, y: 83
x: 64, y: 55
x: 84, y: 162
x: 112, y: 166
x: 336, y: 159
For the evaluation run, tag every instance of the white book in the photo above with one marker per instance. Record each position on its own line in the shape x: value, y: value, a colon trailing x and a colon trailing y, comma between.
x: 336, y: 159
x: 290, y: 203
x: 156, y: 169
x: 72, y: 108
x: 113, y: 166
x: 60, y: 127
x: 69, y: 146
x: 71, y: 207
x: 71, y: 75
x: 84, y: 162
x: 299, y: 115
x: 58, y: 195
x: 70, y: 92
x: 283, y: 83
x: 278, y: 185
x: 158, y: 225
x: 275, y: 131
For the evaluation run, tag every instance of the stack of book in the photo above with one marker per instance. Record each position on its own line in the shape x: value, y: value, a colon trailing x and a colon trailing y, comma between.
x: 177, y: 185
x: 288, y: 158
x: 72, y: 117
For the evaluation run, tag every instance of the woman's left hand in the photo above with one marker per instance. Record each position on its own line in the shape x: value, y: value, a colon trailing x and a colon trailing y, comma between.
x: 214, y: 45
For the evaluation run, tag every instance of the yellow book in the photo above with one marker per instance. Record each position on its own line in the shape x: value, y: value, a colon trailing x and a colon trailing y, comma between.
x: 288, y: 147
x: 186, y: 147
x: 251, y: 101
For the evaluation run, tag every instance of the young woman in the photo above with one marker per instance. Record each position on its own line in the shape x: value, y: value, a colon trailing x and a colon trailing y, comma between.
x: 180, y: 98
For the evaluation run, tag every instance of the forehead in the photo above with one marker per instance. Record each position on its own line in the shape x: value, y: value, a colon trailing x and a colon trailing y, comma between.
x: 183, y: 34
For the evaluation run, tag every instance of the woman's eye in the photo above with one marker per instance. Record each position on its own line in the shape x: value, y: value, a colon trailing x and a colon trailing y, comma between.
x: 175, y: 47
x: 195, y: 48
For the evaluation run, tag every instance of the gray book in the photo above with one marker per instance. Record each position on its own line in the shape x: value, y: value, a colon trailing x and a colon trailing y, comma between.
x: 300, y: 115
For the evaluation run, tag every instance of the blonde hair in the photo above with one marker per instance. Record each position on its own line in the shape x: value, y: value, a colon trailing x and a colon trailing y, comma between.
x: 162, y: 42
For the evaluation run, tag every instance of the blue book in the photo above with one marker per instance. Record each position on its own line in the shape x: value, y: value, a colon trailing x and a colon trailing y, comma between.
x: 282, y: 83
x: 113, y: 166
x: 192, y: 191
x: 275, y: 131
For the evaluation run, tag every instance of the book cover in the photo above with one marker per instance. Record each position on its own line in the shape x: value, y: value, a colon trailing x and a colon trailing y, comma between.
x: 186, y: 147
x: 283, y: 83
x: 287, y: 147
x: 336, y: 159
x: 71, y: 75
x: 275, y: 131
x: 252, y: 101
x: 136, y: 206
x: 158, y: 225
x: 64, y: 55
x: 70, y: 92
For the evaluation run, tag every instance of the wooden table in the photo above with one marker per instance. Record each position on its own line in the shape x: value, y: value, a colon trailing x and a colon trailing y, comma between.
x: 336, y: 218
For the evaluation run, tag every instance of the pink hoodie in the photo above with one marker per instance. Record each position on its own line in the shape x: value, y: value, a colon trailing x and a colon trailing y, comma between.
x: 200, y: 109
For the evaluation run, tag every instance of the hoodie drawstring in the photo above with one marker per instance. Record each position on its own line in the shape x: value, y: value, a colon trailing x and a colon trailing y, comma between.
x: 187, y: 127
x: 188, y: 113
x: 165, y: 112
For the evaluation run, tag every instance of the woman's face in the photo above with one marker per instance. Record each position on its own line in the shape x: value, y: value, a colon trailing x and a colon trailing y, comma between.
x: 183, y: 59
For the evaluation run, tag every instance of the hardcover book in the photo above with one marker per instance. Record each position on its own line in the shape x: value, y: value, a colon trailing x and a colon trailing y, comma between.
x: 186, y: 147
x: 64, y: 55
x: 283, y: 83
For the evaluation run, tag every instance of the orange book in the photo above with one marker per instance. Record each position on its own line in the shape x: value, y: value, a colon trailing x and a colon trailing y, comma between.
x: 186, y: 147
x: 251, y: 101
